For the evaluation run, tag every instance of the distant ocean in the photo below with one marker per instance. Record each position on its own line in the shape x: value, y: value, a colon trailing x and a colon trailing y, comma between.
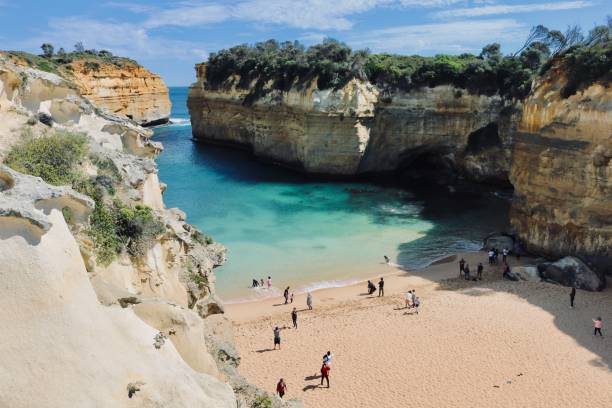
x: 307, y: 233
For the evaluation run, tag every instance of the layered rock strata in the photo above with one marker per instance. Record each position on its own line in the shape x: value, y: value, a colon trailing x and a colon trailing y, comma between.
x: 357, y: 129
x: 129, y: 90
x: 562, y: 171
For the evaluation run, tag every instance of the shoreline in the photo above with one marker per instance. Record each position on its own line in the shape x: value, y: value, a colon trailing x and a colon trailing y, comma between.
x: 395, y: 277
x: 395, y: 269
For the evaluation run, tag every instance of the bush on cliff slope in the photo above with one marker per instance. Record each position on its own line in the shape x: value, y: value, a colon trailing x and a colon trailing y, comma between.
x: 55, y: 159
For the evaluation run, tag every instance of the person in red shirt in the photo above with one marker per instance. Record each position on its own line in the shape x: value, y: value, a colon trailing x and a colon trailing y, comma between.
x: 325, y: 374
x: 281, y: 388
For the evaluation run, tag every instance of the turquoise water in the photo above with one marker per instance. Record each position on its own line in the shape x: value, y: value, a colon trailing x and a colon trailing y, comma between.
x: 307, y: 233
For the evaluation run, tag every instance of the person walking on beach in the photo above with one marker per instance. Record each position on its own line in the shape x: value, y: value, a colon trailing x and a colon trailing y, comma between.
x: 291, y: 301
x: 286, y: 295
x: 381, y: 287
x: 277, y: 339
x: 491, y: 256
x: 461, y: 266
x: 479, y: 271
x: 505, y: 253
x: 281, y: 388
x: 309, y: 300
x: 408, y: 299
x: 269, y: 282
x: 261, y: 283
x: 255, y: 283
x: 572, y: 296
x: 598, y: 325
x: 325, y: 374
x: 294, y: 317
x: 417, y: 304
x: 466, y: 271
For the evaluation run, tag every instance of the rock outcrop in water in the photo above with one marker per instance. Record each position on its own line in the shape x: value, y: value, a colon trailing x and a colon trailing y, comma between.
x: 562, y: 171
x: 124, y: 333
x: 358, y: 129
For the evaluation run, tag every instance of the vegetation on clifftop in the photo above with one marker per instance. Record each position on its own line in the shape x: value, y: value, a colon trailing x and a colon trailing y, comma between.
x: 334, y: 63
x: 51, y: 61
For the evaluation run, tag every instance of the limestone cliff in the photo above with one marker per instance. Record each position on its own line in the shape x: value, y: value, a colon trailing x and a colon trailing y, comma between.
x: 358, y: 128
x: 562, y: 170
x: 119, y: 85
x: 143, y: 330
x: 128, y: 90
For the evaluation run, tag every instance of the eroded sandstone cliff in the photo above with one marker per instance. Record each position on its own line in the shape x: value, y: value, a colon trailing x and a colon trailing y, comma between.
x: 357, y: 129
x: 143, y: 330
x: 128, y: 90
x: 562, y: 170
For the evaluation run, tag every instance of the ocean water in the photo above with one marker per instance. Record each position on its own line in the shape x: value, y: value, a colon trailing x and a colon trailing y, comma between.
x: 308, y: 233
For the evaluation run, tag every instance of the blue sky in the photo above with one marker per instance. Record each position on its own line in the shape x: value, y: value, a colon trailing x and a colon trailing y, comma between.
x: 169, y: 37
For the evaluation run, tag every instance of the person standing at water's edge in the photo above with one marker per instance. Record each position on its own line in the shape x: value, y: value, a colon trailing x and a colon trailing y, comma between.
x: 479, y: 271
x: 309, y: 300
x: 294, y: 317
x: 461, y: 266
x: 281, y: 388
x: 286, y: 295
x: 381, y: 287
x: 572, y: 296
x: 277, y: 339
x: 269, y: 282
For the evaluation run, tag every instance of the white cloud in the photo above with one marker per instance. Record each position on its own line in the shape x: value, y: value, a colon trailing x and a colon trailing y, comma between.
x: 455, y: 37
x: 121, y: 38
x: 188, y: 16
x: 508, y: 9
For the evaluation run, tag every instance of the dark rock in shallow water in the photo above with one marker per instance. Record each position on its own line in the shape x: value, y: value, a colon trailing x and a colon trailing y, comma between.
x: 570, y: 271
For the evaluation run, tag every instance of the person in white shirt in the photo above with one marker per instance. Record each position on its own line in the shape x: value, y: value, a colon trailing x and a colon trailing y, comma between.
x: 505, y: 252
x: 408, y: 299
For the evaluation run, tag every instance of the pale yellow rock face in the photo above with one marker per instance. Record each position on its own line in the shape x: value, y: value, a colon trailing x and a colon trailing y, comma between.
x: 562, y: 170
x: 346, y: 131
x: 130, y: 90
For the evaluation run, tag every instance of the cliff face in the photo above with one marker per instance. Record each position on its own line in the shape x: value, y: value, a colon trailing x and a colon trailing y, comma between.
x: 356, y: 129
x: 128, y: 90
x: 144, y: 330
x: 562, y: 171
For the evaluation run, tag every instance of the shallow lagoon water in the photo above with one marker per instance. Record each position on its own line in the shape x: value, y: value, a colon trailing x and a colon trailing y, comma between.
x: 307, y: 233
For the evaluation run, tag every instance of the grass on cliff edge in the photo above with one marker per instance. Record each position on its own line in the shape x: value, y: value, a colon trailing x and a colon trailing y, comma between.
x: 61, y: 60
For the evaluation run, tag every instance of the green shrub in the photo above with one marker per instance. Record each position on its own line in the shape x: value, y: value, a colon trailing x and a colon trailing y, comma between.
x: 202, y: 238
x: 55, y: 159
x: 262, y: 402
x: 116, y: 226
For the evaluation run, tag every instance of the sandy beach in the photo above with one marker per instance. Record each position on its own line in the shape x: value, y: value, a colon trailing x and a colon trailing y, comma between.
x: 490, y: 343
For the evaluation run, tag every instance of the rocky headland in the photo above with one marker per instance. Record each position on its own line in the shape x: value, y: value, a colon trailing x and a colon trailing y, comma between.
x: 109, y: 296
x: 118, y: 85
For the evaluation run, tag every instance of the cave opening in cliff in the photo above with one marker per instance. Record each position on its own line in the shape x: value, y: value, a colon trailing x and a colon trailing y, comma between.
x: 432, y: 165
x: 484, y: 138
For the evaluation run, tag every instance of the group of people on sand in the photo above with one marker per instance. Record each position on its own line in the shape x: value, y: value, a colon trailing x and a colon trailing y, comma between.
x: 597, y: 323
x: 281, y: 386
x: 381, y: 287
x: 260, y: 283
x: 464, y: 270
x: 494, y: 255
x: 412, y: 301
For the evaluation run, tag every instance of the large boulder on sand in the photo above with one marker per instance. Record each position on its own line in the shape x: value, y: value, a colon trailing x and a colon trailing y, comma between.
x: 570, y: 271
x: 526, y: 273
